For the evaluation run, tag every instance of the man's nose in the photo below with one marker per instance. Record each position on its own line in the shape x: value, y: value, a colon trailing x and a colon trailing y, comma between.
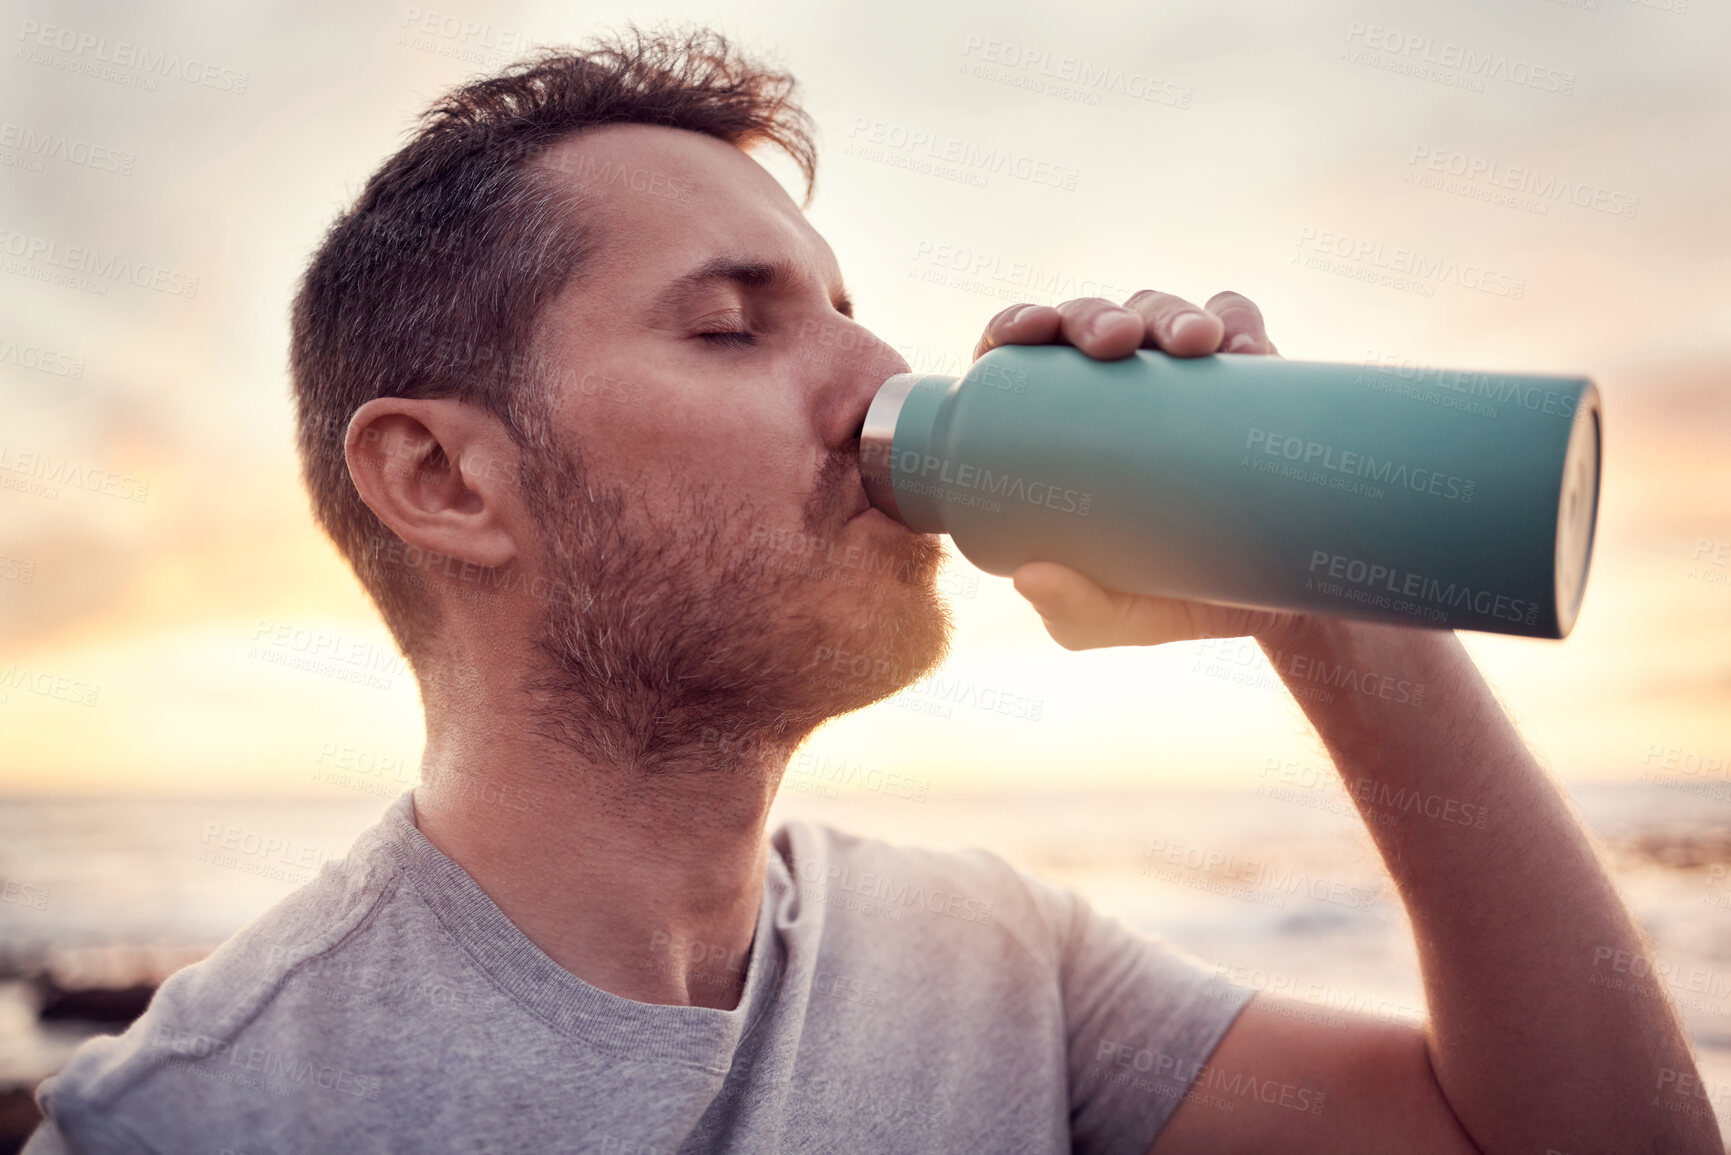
x: 846, y: 363
x: 842, y: 352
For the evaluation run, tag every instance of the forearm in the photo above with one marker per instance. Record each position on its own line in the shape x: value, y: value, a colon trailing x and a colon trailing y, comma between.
x: 1518, y: 928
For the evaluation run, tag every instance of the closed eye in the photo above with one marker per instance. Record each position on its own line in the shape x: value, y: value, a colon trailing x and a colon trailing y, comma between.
x: 733, y: 337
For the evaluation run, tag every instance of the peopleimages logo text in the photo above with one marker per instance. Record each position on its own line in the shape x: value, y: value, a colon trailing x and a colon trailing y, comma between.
x: 111, y: 266
x: 1545, y: 187
x: 1406, y: 584
x: 125, y: 54
x: 1357, y: 464
x: 45, y: 145
x: 1481, y: 386
x: 1004, y: 485
x: 1480, y: 66
x: 1371, y: 254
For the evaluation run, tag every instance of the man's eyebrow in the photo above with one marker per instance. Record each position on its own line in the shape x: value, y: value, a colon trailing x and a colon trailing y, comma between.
x: 745, y: 273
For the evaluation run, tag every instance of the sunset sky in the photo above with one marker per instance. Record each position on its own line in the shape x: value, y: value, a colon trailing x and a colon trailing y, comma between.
x: 1184, y: 145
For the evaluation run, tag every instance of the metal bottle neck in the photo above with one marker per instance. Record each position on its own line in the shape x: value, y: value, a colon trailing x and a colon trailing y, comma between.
x: 877, y: 441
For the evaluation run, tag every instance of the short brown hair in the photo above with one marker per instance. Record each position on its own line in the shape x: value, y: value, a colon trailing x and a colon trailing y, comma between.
x: 431, y: 284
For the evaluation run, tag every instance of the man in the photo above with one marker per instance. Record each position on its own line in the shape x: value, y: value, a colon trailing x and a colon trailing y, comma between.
x: 570, y: 363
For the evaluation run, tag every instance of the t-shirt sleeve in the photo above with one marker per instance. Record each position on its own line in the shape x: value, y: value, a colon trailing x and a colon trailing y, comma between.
x: 1141, y: 1015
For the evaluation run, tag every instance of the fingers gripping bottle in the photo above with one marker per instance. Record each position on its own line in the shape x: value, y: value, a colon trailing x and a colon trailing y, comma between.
x: 1440, y: 498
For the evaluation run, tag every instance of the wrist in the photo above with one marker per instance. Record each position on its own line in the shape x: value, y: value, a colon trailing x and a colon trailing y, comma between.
x: 1288, y: 628
x: 1346, y: 666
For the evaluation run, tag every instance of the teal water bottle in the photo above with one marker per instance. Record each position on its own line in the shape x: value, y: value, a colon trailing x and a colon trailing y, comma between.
x: 1451, y: 499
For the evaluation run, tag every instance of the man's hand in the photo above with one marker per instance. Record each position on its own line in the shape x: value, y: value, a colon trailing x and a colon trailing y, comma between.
x: 1528, y: 1048
x: 1078, y: 613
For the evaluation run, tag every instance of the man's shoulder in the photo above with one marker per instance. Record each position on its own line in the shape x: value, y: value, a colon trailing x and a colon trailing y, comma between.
x: 927, y: 887
x: 835, y: 842
x: 273, y: 987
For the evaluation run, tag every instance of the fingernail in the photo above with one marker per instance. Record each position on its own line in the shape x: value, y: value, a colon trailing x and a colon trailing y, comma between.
x: 1240, y: 341
x: 1186, y: 323
x: 1097, y: 326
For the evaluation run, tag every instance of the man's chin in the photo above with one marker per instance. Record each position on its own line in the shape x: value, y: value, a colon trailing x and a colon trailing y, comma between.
x: 870, y: 546
x: 882, y: 642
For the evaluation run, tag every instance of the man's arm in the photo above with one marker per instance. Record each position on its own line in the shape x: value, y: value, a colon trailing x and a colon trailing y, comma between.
x: 1529, y: 1047
x: 1538, y: 1040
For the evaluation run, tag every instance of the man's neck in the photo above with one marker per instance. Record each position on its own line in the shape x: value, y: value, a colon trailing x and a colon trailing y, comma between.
x: 646, y: 887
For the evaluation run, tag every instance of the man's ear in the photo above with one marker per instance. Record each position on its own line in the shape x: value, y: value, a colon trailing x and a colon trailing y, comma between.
x: 441, y: 474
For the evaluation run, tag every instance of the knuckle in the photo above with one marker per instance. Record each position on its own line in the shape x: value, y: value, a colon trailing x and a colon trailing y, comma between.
x: 1230, y: 300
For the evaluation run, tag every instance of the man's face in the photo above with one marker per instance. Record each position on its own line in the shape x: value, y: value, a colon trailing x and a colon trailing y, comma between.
x: 707, y: 398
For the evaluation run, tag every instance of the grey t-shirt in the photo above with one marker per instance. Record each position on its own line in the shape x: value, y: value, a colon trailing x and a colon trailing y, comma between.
x: 896, y: 1000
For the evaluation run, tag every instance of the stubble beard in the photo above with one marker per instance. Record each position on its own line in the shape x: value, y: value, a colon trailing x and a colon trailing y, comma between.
x: 692, y: 641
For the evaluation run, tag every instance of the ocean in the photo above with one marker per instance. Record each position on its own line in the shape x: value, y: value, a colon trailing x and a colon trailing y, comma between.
x: 1278, y: 888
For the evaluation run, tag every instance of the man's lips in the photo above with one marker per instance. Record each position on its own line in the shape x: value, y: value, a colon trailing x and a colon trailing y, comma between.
x: 857, y: 491
x: 871, y: 509
x: 863, y: 507
x: 860, y: 503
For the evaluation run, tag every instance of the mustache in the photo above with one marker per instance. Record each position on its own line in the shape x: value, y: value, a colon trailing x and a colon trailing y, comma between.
x: 833, y: 497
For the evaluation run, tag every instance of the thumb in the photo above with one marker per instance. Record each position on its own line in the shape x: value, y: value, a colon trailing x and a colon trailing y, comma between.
x: 1080, y: 614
